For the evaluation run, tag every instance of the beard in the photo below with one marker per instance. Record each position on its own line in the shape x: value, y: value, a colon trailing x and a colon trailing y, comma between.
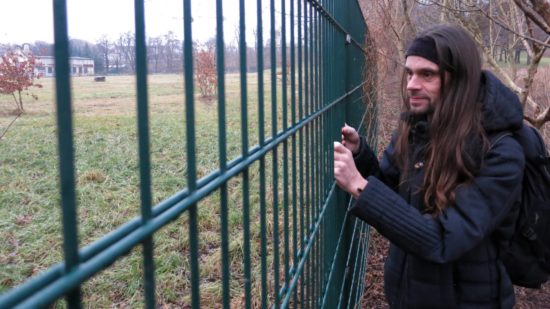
x: 420, y: 102
x: 427, y: 109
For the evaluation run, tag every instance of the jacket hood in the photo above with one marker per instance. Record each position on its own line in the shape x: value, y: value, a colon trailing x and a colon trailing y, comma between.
x: 501, y: 107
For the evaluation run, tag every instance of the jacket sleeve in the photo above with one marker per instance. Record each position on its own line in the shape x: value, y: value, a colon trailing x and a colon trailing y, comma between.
x: 479, y: 208
x: 368, y: 165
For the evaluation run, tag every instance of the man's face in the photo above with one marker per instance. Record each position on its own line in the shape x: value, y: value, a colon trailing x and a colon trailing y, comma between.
x: 423, y: 84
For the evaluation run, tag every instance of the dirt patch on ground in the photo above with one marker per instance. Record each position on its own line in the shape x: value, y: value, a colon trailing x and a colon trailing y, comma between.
x: 9, y: 112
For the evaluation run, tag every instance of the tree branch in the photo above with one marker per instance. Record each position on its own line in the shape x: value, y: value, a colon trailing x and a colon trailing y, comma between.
x: 536, y: 16
x: 546, y: 115
x: 505, y: 26
x: 500, y: 23
x: 543, y: 9
x: 11, y: 123
x: 531, y: 71
x: 407, y: 14
x: 540, y: 119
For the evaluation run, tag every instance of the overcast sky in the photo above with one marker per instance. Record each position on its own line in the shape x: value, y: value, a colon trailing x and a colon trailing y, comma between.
x: 27, y: 21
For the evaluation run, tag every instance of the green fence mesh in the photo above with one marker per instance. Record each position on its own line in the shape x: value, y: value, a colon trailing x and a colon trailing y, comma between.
x: 296, y: 246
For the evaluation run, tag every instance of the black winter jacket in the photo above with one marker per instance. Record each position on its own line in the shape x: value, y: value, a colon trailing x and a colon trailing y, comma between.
x: 451, y: 260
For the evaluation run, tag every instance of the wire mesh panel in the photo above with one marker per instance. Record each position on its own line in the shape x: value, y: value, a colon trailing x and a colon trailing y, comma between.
x: 267, y: 226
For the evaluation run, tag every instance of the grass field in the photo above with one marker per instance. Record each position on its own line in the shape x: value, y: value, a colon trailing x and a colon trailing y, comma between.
x: 108, y: 186
x: 545, y: 61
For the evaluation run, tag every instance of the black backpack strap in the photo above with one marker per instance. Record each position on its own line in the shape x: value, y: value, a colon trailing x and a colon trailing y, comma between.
x: 497, y: 137
x: 534, y: 145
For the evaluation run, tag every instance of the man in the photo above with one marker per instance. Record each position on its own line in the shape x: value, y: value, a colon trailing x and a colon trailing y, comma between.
x: 445, y: 188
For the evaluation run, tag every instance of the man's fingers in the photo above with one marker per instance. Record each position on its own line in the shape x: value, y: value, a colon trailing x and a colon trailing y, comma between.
x: 338, y: 147
x: 339, y: 164
x: 347, y: 130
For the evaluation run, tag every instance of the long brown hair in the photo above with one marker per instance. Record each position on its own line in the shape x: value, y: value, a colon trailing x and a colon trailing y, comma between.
x: 455, y: 121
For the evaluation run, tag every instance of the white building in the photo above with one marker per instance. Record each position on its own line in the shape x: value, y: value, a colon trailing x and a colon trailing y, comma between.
x: 45, y: 66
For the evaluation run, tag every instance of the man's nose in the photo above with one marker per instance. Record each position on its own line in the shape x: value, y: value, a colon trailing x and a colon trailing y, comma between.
x: 413, y: 83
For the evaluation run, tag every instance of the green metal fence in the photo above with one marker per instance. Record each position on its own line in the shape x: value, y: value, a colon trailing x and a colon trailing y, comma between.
x: 312, y: 253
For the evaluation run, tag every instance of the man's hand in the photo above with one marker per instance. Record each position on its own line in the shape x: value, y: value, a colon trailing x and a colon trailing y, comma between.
x: 350, y: 139
x: 345, y: 172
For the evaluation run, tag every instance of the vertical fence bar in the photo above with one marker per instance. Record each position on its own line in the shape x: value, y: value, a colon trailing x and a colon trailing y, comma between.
x: 275, y: 172
x: 220, y: 66
x: 314, y: 157
x: 324, y: 154
x: 66, y: 146
x: 244, y: 152
x: 284, y: 70
x: 302, y: 235
x: 263, y: 232
x: 358, y: 267
x: 322, y: 136
x: 343, y: 302
x: 285, y: 145
x: 191, y: 153
x: 307, y: 293
x: 319, y: 162
x: 310, y: 150
x: 323, y: 102
x: 354, y: 291
x: 261, y: 135
x: 315, y: 166
x: 312, y: 108
x: 361, y: 266
x: 144, y: 155
x: 295, y: 226
x: 329, y: 131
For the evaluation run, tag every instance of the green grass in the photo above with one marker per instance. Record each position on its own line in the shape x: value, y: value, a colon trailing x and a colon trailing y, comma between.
x: 545, y: 61
x: 108, y: 187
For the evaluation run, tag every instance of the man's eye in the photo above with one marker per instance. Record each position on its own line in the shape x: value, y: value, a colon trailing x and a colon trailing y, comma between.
x: 427, y: 74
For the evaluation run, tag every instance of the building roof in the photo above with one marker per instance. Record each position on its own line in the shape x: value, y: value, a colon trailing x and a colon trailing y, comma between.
x: 71, y: 58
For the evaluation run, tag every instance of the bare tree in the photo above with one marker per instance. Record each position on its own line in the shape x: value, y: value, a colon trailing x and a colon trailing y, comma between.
x: 391, y: 27
x: 508, y: 25
x: 104, y: 46
x: 126, y: 48
x: 171, y: 52
x: 501, y: 28
x: 154, y: 52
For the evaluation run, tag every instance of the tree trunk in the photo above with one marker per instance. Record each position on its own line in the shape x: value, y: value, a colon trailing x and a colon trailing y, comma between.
x: 15, y: 101
x: 20, y: 101
x: 531, y: 71
x: 543, y: 8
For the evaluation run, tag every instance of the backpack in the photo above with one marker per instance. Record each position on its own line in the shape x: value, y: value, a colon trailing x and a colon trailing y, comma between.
x: 527, y: 255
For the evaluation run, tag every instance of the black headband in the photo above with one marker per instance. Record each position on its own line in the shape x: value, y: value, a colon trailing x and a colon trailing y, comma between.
x: 423, y: 47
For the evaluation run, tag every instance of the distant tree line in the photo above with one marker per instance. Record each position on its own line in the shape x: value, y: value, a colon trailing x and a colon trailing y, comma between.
x: 164, y: 53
